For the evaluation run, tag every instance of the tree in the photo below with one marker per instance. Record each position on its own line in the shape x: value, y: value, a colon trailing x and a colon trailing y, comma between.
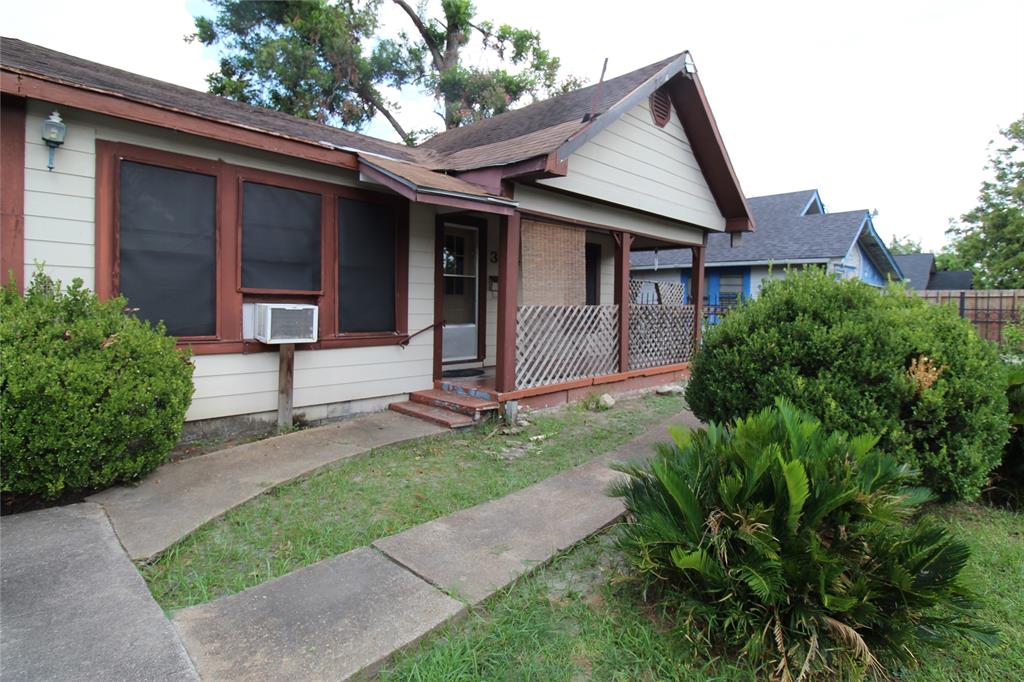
x: 901, y: 246
x: 324, y: 60
x: 989, y: 240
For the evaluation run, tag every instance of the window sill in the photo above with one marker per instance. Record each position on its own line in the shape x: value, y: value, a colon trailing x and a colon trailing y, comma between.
x: 218, y: 347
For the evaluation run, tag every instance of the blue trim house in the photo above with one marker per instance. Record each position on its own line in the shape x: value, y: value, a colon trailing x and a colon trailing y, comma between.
x: 793, y: 230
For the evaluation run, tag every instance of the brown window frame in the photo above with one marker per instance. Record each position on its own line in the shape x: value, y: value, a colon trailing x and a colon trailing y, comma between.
x: 230, y: 293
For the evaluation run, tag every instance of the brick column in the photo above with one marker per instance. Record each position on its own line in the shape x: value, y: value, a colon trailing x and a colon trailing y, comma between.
x: 623, y: 242
x: 697, y: 291
x: 508, y: 302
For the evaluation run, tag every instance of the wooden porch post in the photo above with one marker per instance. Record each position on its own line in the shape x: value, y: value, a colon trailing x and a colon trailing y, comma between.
x: 697, y: 291
x: 508, y: 302
x: 623, y: 242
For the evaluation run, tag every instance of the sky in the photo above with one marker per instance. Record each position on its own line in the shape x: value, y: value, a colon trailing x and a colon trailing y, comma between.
x: 887, y: 106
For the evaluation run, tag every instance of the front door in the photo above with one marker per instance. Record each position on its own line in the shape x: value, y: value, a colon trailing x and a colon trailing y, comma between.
x: 460, y: 272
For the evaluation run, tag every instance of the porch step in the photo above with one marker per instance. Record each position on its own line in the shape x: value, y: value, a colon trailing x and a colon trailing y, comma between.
x: 456, y: 402
x: 467, y: 391
x: 435, y: 415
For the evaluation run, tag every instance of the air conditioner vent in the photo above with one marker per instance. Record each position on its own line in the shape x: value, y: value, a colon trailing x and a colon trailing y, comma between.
x: 286, y: 323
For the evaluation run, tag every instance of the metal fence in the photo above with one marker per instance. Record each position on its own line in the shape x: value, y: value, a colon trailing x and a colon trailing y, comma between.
x: 989, y: 310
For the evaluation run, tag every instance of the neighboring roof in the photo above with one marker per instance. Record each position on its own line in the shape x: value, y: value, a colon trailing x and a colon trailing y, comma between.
x: 777, y: 207
x: 917, y: 268
x: 560, y: 124
x: 951, y: 279
x: 811, y: 238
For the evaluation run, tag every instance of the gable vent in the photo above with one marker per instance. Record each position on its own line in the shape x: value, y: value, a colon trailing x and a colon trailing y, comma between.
x: 661, y: 107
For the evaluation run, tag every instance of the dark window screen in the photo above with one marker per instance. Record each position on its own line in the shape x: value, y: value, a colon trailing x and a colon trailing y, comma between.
x: 366, y: 267
x: 593, y: 255
x: 167, y: 247
x: 280, y: 238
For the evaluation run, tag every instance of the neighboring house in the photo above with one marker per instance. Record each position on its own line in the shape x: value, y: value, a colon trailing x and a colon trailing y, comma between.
x: 919, y: 270
x: 503, y: 246
x: 793, y: 231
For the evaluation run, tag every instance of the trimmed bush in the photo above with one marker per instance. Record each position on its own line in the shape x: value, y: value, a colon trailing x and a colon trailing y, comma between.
x: 863, y: 361
x: 792, y: 547
x: 89, y: 396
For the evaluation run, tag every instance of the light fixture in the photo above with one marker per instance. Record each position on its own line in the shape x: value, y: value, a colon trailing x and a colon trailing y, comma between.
x: 54, y: 131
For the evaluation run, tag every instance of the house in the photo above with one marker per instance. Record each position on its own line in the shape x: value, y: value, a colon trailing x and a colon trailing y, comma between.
x: 919, y: 269
x: 793, y: 231
x: 499, y: 250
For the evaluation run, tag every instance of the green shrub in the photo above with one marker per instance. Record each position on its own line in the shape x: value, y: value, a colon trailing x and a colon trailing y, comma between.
x: 793, y: 547
x: 89, y: 396
x: 863, y: 361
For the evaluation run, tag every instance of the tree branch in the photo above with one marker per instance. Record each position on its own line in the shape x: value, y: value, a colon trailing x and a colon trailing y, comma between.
x: 435, y: 50
x: 378, y: 104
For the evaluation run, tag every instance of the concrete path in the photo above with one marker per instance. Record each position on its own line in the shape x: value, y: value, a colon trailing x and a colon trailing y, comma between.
x: 75, y: 608
x: 343, y: 617
x: 327, y: 621
x: 181, y: 496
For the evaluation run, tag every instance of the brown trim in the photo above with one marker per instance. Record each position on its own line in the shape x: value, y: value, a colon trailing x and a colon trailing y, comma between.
x: 498, y: 179
x: 697, y: 292
x: 694, y: 111
x: 438, y: 359
x: 25, y: 85
x: 586, y: 382
x: 508, y: 301
x: 12, y: 190
x: 230, y: 295
x: 572, y: 222
x: 418, y: 196
x: 623, y: 241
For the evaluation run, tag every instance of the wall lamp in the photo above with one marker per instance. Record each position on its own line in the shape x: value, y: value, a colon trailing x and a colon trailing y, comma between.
x: 54, y: 131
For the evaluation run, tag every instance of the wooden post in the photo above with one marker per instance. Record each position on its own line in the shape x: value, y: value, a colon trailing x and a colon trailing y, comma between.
x: 285, y: 376
x: 697, y: 292
x: 623, y: 243
x: 508, y: 302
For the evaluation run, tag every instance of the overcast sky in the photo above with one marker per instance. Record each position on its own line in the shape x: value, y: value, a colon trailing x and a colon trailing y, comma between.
x: 880, y: 105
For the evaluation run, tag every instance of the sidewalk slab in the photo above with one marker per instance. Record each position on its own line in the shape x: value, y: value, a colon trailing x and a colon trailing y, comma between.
x: 333, y: 620
x: 181, y: 496
x: 475, y: 552
x: 75, y: 608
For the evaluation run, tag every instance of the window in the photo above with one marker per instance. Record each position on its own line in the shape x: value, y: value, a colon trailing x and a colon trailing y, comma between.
x: 593, y: 273
x: 460, y: 275
x: 280, y: 239
x: 190, y: 241
x: 730, y: 289
x: 167, y: 247
x: 366, y: 266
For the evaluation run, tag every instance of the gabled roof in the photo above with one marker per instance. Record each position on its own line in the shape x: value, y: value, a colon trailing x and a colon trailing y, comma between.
x: 785, y: 234
x: 917, y: 268
x: 951, y: 279
x: 552, y: 128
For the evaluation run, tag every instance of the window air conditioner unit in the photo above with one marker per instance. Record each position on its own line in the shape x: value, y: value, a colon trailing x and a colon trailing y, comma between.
x: 278, y: 323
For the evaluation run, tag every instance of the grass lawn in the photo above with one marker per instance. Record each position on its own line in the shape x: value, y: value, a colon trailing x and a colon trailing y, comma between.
x: 571, y: 620
x: 386, y: 491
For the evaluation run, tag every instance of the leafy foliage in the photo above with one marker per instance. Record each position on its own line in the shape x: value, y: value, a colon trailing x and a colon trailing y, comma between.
x: 310, y: 58
x: 989, y: 240
x: 794, y: 546
x: 863, y: 360
x: 89, y: 396
x: 900, y: 246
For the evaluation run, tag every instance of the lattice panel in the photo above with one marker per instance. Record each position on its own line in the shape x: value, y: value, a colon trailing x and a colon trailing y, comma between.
x: 637, y: 289
x: 660, y: 335
x: 563, y: 343
x: 649, y: 292
x: 671, y: 293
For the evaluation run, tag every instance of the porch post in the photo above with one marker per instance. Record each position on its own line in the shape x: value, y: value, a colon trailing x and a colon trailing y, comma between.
x: 697, y: 291
x: 508, y: 302
x: 623, y: 242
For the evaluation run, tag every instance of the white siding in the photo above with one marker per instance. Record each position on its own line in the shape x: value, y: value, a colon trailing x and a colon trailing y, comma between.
x: 635, y: 163
x: 534, y: 199
x: 60, y: 231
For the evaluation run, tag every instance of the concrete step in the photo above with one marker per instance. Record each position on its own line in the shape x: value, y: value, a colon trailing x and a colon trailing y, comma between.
x: 434, y: 415
x: 463, y: 404
x: 468, y: 391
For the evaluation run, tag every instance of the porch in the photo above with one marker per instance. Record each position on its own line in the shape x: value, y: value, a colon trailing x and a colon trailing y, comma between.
x: 553, y: 314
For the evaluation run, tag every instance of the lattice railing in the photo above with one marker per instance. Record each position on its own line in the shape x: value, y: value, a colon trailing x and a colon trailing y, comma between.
x: 660, y: 335
x: 555, y: 344
x: 649, y: 292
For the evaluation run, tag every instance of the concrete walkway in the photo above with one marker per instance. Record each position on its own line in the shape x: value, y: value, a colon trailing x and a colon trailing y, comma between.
x: 181, y: 496
x: 344, y: 617
x: 75, y: 608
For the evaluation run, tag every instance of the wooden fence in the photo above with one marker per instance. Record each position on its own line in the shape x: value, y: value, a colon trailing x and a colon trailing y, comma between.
x: 555, y: 344
x: 989, y: 310
x: 660, y: 335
